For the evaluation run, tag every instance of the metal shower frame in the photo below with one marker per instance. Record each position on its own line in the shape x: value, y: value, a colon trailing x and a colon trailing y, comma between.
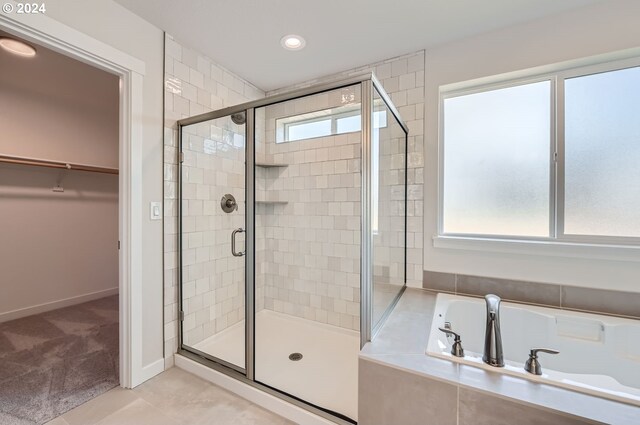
x: 369, y: 84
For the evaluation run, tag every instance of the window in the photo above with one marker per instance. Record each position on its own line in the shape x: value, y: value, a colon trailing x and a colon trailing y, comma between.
x: 555, y: 158
x: 602, y: 154
x: 340, y: 120
x: 496, y: 161
x: 308, y: 129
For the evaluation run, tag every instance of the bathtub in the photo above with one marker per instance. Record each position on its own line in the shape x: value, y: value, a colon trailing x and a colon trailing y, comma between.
x: 599, y: 355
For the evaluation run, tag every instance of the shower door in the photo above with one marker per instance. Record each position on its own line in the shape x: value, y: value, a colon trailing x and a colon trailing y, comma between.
x: 288, y: 215
x: 213, y: 230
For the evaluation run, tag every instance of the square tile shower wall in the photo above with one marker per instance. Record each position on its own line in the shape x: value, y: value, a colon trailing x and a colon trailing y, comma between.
x: 195, y: 84
x: 403, y: 79
x: 388, y: 213
x: 213, y: 280
x: 308, y: 217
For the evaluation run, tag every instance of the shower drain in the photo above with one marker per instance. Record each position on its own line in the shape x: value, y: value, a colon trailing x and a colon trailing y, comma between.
x: 294, y: 357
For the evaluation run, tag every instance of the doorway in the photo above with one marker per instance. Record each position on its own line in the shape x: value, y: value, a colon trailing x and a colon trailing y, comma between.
x: 59, y: 189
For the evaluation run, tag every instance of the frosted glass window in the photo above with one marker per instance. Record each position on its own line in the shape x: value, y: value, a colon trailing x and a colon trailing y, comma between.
x: 496, y: 162
x: 602, y: 154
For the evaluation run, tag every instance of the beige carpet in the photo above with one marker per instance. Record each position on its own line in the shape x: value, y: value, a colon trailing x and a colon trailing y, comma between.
x: 55, y: 361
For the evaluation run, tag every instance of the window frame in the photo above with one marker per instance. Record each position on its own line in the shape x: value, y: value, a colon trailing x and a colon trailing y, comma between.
x: 556, y: 77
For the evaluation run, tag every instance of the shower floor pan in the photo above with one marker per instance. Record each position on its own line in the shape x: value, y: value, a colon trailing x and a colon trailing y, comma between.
x: 327, y: 373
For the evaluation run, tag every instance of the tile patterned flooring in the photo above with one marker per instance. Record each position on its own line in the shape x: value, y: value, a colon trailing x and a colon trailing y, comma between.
x: 174, y: 397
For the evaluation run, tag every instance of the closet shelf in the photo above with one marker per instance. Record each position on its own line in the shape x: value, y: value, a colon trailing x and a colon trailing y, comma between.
x: 270, y: 165
x: 10, y: 159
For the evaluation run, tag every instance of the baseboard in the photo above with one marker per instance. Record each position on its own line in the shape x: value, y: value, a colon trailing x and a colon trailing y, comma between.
x: 255, y: 395
x: 41, y: 308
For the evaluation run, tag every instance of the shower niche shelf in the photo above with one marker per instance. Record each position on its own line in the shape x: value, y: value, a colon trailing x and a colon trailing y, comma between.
x: 270, y: 165
x: 267, y: 202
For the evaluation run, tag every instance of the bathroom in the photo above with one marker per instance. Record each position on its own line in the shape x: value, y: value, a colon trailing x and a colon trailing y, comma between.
x: 333, y: 195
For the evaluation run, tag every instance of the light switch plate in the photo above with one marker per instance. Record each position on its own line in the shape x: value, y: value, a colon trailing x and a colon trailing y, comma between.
x: 155, y: 210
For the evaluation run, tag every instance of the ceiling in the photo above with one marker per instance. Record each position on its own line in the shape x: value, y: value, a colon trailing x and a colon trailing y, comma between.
x: 244, y: 35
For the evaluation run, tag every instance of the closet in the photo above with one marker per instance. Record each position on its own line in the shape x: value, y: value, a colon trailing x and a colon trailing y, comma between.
x: 59, y: 132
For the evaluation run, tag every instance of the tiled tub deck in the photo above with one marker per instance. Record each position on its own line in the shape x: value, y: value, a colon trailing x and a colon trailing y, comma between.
x: 399, y: 383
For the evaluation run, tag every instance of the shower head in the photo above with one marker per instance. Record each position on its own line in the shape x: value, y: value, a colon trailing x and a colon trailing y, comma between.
x: 238, y: 118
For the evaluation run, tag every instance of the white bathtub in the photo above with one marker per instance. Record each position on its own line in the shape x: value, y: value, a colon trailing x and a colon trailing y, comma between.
x: 599, y: 355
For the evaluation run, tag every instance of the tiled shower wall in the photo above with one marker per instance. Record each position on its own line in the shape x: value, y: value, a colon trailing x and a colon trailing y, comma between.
x: 308, y: 223
x: 213, y: 280
x: 195, y: 84
x: 403, y: 79
x: 388, y: 195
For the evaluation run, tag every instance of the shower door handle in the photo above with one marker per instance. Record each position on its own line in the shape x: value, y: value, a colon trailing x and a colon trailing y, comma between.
x: 233, y: 242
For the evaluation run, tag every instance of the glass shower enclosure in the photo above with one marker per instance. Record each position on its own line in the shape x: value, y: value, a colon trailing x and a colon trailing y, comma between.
x: 292, y: 238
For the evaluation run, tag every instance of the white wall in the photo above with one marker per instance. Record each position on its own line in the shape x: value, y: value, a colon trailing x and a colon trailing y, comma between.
x: 58, y: 248
x: 112, y: 24
x: 54, y: 107
x: 597, y: 29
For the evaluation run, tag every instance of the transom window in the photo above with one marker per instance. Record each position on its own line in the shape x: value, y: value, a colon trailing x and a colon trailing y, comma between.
x: 557, y: 157
x: 339, y: 120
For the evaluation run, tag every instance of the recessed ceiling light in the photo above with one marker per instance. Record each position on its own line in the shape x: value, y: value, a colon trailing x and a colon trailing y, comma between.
x: 292, y: 42
x: 17, y: 47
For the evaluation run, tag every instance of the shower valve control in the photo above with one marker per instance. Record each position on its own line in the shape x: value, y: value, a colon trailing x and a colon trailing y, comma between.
x: 228, y: 203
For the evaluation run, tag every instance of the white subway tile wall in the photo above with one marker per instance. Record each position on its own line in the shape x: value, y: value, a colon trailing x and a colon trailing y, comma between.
x: 214, y: 166
x: 308, y: 213
x: 308, y: 223
x: 403, y: 79
x: 213, y: 279
x: 388, y: 199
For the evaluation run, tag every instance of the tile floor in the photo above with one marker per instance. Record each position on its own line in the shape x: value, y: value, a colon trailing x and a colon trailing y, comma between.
x: 174, y: 397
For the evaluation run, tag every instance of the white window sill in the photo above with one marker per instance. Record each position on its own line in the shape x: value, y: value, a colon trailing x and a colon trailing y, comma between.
x: 543, y: 248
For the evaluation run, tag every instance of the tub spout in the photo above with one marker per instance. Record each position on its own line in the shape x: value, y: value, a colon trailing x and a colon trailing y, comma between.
x: 493, y: 355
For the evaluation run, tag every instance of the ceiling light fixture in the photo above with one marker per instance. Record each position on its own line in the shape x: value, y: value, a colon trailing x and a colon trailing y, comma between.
x: 292, y: 42
x: 17, y: 47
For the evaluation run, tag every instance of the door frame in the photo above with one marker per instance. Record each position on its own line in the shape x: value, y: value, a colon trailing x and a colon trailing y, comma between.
x: 246, y: 370
x: 47, y: 32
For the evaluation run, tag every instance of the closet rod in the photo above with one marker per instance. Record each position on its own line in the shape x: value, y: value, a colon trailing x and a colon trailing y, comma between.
x: 55, y: 164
